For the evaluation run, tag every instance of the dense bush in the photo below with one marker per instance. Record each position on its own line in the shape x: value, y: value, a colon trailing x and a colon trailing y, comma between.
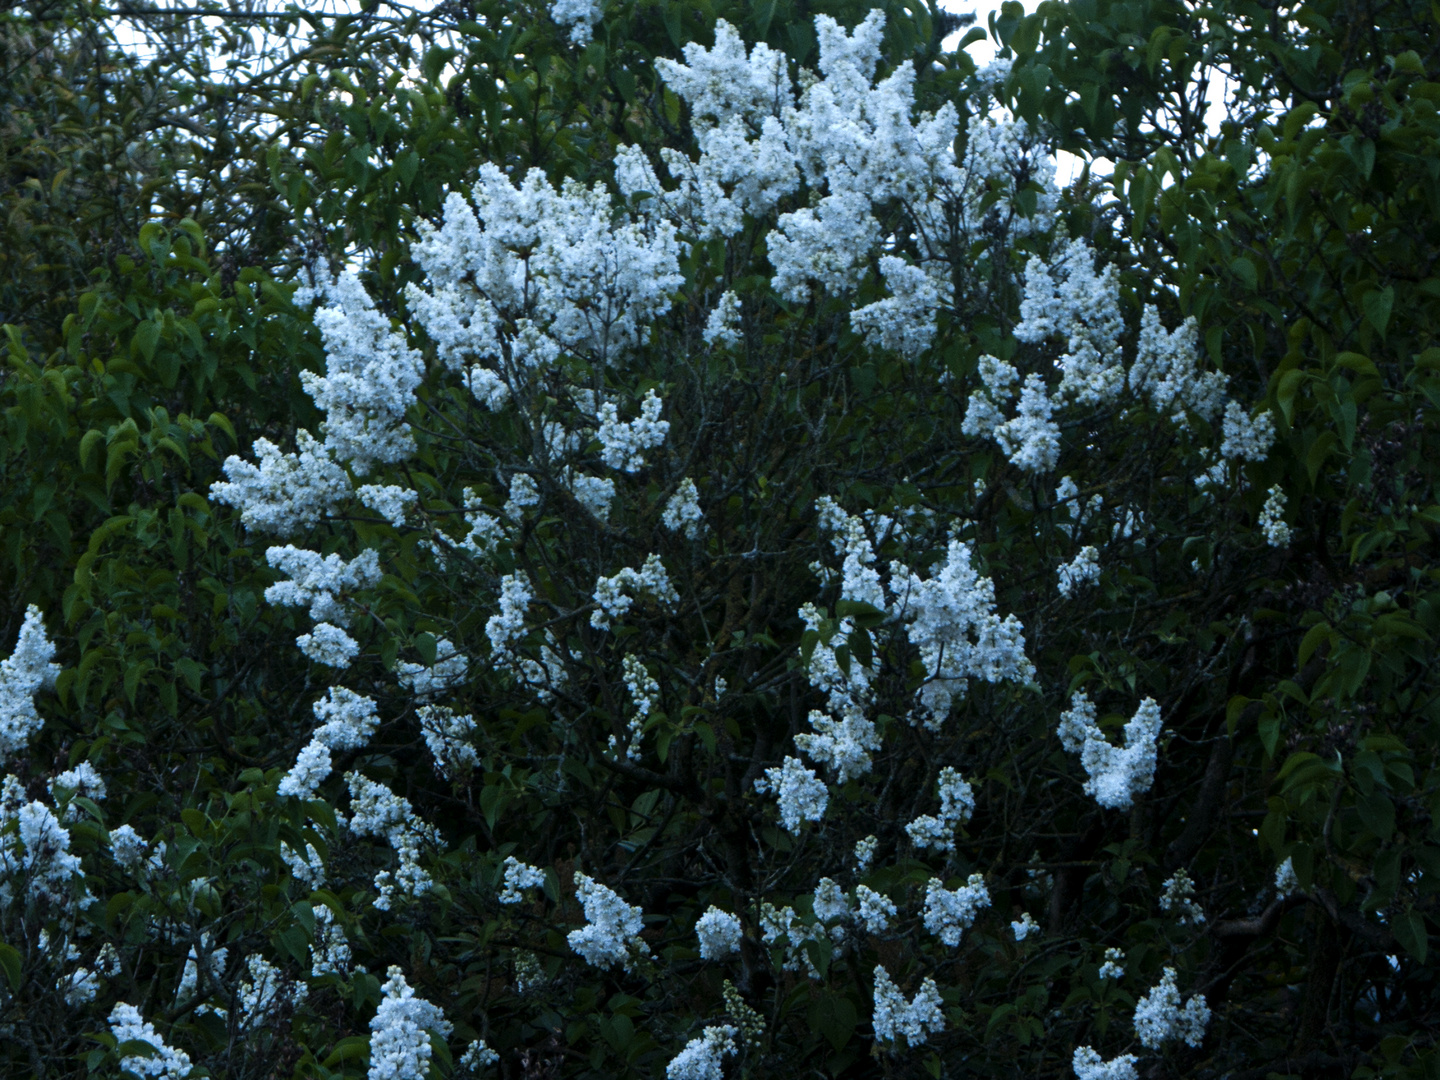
x: 656, y: 538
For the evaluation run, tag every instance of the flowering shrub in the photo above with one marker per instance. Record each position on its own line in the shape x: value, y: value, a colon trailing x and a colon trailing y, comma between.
x: 777, y: 583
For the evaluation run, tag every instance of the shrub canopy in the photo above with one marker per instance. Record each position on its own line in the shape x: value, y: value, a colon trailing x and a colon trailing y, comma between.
x: 638, y: 538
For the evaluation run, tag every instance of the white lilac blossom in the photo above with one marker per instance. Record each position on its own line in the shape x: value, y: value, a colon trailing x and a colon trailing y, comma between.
x: 644, y: 695
x: 201, y: 955
x: 329, y: 645
x: 83, y: 781
x: 831, y: 906
x: 330, y: 950
x: 701, y: 1058
x: 719, y: 934
x: 507, y: 626
x: 780, y: 923
x: 750, y: 1022
x: 844, y: 745
x: 38, y: 846
x: 390, y: 501
x: 612, y: 595
x: 722, y: 82
x: 623, y: 444
x: 1129, y: 524
x: 378, y: 811
x: 643, y: 689
x: 1113, y: 967
x: 308, y: 867
x: 347, y: 722
x: 1067, y: 499
x: 802, y: 795
x: 400, y: 1032
x: 524, y: 493
x: 682, y: 510
x: 595, y: 493
x: 825, y: 245
x: 859, y: 136
x: 994, y: 74
x: 1159, y: 1017
x: 476, y: 1056
x: 428, y: 681
x: 957, y: 803
x: 949, y: 913
x: 531, y: 272
x: 1031, y: 440
x: 266, y: 990
x: 107, y: 960
x: 915, y: 1020
x: 529, y: 973
x: 51, y: 947
x: 1272, y: 518
x: 848, y: 688
x: 370, y: 379
x: 486, y: 534
x: 861, y: 581
x: 722, y: 329
x: 1089, y: 1065
x: 1215, y: 476
x: 1286, y: 880
x: 735, y: 175
x: 579, y: 15
x: 848, y: 135
x: 311, y: 767
x: 519, y: 876
x: 952, y: 621
x: 1165, y: 370
x: 983, y: 413
x: 1116, y: 775
x: 1024, y: 926
x: 79, y: 987
x: 287, y: 493
x: 1009, y: 154
x: 1084, y: 569
x: 166, y: 1063
x: 1067, y: 299
x: 127, y: 847
x: 24, y: 672
x: 873, y: 909
x: 1245, y: 437
x: 347, y: 719
x: 1179, y: 899
x: 904, y: 322
x: 865, y: 854
x: 447, y: 734
x: 612, y: 932
x: 548, y: 674
x: 1038, y: 881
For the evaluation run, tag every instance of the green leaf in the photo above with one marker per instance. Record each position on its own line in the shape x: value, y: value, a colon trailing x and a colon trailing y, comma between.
x: 147, y: 336
x: 351, y: 1048
x: 1320, y: 449
x: 1320, y: 633
x: 492, y: 801
x: 1377, y: 813
x: 90, y: 442
x: 10, y: 961
x: 833, y: 1016
x: 1377, y: 304
x: 1410, y: 931
x: 1026, y: 37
